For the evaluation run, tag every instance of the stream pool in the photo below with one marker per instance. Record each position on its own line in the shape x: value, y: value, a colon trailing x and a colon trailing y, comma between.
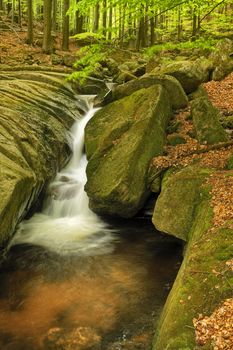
x: 88, y: 302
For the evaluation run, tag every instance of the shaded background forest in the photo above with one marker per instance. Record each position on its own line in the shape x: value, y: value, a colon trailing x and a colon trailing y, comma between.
x: 129, y: 24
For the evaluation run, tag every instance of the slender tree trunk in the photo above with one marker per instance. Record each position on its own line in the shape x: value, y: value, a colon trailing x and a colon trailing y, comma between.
x: 30, y: 22
x: 146, y: 28
x: 122, y: 28
x: 8, y: 7
x: 13, y: 11
x: 152, y: 31
x: 54, y: 21
x: 1, y: 5
x: 104, y: 17
x: 65, y: 26
x: 179, y: 24
x: 96, y: 18
x: 47, y: 39
x: 79, y: 21
x: 19, y: 13
x: 194, y: 30
x: 141, y: 31
x: 110, y: 23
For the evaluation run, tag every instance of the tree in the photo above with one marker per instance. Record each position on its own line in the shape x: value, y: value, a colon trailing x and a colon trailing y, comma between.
x: 30, y: 22
x: 47, y: 38
x: 65, y: 27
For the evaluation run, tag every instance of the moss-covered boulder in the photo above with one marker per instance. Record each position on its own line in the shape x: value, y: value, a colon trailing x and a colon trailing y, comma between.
x: 176, y: 205
x: 176, y: 94
x: 204, y: 280
x: 121, y: 139
x: 36, y: 110
x: 222, y: 59
x: 190, y: 74
x: 206, y: 121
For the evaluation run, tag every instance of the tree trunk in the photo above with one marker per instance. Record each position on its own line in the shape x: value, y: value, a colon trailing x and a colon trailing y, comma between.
x: 194, y: 31
x: 47, y: 39
x: 110, y: 23
x: 179, y: 24
x: 19, y: 13
x: 104, y: 17
x: 13, y: 11
x: 54, y: 22
x: 79, y: 20
x: 152, y: 31
x: 96, y: 18
x: 30, y: 22
x: 65, y: 26
x: 1, y: 5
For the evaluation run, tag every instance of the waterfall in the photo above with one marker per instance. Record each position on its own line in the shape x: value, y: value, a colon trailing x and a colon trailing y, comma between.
x: 67, y: 225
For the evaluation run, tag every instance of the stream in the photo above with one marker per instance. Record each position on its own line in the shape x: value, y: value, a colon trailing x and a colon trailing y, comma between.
x: 74, y: 282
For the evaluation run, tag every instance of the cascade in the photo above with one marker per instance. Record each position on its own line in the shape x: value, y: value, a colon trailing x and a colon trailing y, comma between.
x: 67, y: 225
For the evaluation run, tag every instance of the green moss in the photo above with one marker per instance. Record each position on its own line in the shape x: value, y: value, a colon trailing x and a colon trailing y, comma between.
x: 174, y: 140
x: 206, y: 122
x: 229, y: 164
x: 175, y: 207
x: 203, y: 281
x: 120, y: 141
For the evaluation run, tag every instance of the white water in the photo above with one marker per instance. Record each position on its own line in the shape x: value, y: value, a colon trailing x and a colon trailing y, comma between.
x: 67, y: 225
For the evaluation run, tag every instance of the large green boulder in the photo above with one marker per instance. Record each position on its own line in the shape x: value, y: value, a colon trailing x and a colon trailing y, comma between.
x: 175, y: 207
x: 177, y: 96
x: 222, y: 59
x: 203, y: 280
x: 36, y: 111
x: 121, y: 139
x: 190, y: 74
x: 206, y: 121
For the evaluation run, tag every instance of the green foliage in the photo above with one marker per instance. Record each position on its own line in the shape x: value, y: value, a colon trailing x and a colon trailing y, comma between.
x: 204, y: 44
x: 87, y: 35
x: 89, y: 61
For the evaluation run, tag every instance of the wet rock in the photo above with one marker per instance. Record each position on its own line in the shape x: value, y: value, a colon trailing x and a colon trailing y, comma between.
x: 36, y: 110
x: 121, y: 139
x: 81, y: 338
x: 177, y: 97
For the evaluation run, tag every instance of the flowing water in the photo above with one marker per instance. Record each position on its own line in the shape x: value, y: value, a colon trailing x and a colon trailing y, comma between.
x: 73, y: 282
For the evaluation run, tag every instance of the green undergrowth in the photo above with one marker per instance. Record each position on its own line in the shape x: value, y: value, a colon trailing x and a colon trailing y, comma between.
x: 203, y: 44
x: 89, y: 60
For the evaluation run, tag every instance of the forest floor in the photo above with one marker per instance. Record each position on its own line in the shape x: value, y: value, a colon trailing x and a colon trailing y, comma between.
x: 14, y: 51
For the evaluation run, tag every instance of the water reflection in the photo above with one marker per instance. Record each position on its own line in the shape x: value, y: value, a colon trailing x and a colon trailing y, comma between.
x: 104, y: 302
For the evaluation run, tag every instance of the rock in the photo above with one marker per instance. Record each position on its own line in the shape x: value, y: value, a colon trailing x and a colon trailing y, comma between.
x: 227, y: 122
x: 91, y: 86
x: 134, y: 67
x: 203, y: 275
x: 190, y: 74
x: 34, y: 118
x: 174, y: 209
x: 81, y: 338
x: 175, y: 139
x: 124, y: 77
x: 177, y: 97
x: 206, y: 121
x: 121, y: 139
x: 222, y: 59
x: 56, y: 59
